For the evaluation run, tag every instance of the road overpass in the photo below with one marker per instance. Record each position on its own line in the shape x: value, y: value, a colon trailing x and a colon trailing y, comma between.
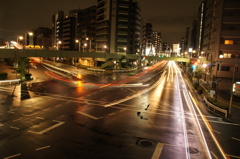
x: 14, y: 53
x: 24, y: 53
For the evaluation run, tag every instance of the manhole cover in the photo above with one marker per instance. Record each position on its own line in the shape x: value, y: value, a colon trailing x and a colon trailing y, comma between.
x: 193, y: 150
x: 145, y: 143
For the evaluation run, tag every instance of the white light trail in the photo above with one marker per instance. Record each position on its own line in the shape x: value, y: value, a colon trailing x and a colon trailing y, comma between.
x: 195, y: 105
x: 183, y: 120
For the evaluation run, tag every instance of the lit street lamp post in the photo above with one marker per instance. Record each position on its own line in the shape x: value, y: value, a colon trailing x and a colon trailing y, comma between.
x: 233, y: 80
x: 20, y: 38
x: 58, y: 44
x: 90, y: 48
x: 125, y: 49
x: 79, y: 44
x: 85, y: 44
x: 105, y: 48
x: 218, y: 79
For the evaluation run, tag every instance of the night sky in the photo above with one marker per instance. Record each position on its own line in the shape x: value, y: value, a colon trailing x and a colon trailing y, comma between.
x: 170, y: 17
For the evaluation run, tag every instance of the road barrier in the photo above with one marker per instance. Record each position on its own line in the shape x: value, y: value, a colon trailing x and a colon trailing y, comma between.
x: 215, y: 109
x: 97, y: 70
x: 10, y: 81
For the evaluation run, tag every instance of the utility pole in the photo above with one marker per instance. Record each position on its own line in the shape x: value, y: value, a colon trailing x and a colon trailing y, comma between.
x: 233, y: 79
x: 211, y: 63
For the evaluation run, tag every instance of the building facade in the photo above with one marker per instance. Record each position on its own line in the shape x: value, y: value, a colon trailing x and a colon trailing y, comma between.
x: 57, y: 29
x: 221, y: 43
x: 118, y: 27
x: 68, y: 33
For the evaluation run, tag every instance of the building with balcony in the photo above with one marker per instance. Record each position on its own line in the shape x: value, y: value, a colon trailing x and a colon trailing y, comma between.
x: 57, y: 28
x: 85, y: 28
x: 68, y: 33
x: 221, y: 42
x: 118, y: 26
x: 157, y: 42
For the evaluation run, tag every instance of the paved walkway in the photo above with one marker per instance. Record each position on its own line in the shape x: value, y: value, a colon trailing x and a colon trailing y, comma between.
x: 4, y: 67
x: 224, y: 98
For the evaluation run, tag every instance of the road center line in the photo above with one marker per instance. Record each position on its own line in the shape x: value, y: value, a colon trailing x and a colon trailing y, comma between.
x: 14, y: 127
x: 214, y: 155
x: 157, y: 151
x: 235, y: 138
x: 41, y: 148
x: 90, y: 116
x: 12, y: 156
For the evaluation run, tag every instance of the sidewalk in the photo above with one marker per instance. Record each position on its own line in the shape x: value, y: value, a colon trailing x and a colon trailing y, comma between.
x: 5, y: 67
x: 224, y: 98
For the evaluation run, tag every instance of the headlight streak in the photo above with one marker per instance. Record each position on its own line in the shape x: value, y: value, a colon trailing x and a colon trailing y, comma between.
x: 209, y: 128
x: 203, y: 118
x: 191, y: 108
x: 194, y: 114
x: 161, y: 79
x: 183, y: 120
x: 170, y: 71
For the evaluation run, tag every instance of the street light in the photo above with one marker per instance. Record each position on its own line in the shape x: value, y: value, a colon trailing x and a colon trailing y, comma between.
x: 125, y: 49
x: 217, y: 81
x: 79, y: 44
x: 233, y: 80
x: 85, y: 44
x: 89, y: 43
x: 105, y: 48
x: 58, y: 44
x: 30, y: 33
x: 20, y: 38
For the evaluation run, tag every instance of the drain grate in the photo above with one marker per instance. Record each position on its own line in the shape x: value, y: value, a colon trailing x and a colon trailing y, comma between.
x: 193, y: 150
x: 145, y: 143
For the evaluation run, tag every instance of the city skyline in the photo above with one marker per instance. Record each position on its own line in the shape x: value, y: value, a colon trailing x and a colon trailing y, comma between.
x: 166, y: 17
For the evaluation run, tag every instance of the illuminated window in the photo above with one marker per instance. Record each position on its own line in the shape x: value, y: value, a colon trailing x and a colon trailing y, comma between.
x: 227, y: 55
x: 228, y: 42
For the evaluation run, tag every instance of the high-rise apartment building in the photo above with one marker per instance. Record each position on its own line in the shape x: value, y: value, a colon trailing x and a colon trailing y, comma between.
x: 85, y: 27
x: 68, y: 33
x: 157, y: 42
x: 57, y: 28
x: 118, y: 26
x: 221, y: 42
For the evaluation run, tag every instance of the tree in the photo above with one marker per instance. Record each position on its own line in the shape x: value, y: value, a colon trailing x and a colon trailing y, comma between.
x: 198, y: 74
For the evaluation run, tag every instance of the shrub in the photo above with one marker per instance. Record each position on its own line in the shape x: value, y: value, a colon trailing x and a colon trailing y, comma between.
x: 3, y: 75
x: 199, y: 90
x: 28, y: 76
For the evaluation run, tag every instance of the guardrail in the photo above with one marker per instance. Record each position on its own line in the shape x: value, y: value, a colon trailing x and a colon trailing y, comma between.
x: 10, y: 81
x: 215, y: 109
x: 97, y: 70
x: 57, y: 68
x: 129, y: 70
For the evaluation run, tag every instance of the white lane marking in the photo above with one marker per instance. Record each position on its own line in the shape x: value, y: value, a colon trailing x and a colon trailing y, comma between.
x: 1, y: 125
x: 41, y: 148
x: 217, y: 132
x: 161, y: 80
x: 14, y: 127
x: 157, y: 151
x: 88, y: 115
x: 40, y: 118
x: 12, y: 156
x: 235, y: 138
x: 111, y: 114
x: 226, y: 123
x: 49, y: 128
x: 214, y: 155
x: 232, y: 156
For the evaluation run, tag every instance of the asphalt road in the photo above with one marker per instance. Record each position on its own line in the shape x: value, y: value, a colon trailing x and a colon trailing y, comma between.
x: 153, y: 113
